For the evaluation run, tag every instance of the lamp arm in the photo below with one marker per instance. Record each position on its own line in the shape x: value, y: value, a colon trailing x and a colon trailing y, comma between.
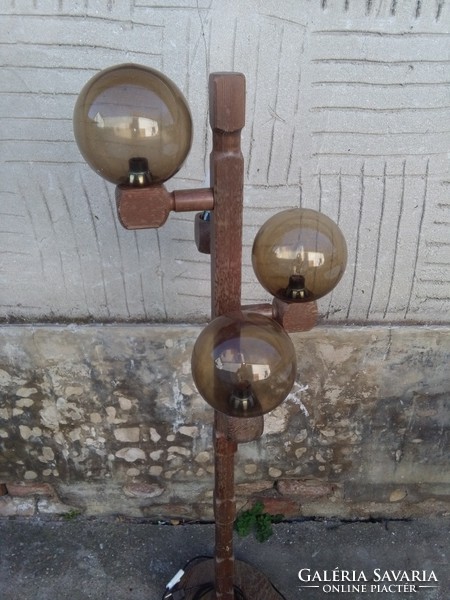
x: 149, y: 206
x: 293, y: 317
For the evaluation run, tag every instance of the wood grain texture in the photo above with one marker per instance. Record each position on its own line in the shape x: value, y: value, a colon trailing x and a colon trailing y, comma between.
x: 227, y: 118
x: 347, y: 112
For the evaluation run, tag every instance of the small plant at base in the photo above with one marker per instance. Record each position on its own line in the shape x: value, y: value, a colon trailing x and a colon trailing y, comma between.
x: 256, y: 521
x: 71, y: 515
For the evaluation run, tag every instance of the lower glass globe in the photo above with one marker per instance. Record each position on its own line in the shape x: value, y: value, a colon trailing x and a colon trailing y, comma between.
x: 131, y: 117
x: 244, y: 364
x: 299, y: 255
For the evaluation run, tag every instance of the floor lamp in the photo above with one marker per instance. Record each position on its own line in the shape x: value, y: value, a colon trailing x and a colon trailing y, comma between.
x: 133, y: 127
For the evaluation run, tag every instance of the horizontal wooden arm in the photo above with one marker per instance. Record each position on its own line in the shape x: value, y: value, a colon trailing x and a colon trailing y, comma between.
x: 148, y: 207
x: 292, y: 316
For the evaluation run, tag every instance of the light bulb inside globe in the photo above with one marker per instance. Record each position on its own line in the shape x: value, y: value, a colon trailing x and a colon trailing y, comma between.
x: 299, y: 255
x: 244, y: 364
x: 132, y: 125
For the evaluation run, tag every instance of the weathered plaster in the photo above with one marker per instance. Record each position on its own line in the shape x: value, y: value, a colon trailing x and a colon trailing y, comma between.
x: 108, y: 416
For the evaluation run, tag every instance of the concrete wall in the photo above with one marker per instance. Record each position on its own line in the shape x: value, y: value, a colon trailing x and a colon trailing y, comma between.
x: 347, y: 112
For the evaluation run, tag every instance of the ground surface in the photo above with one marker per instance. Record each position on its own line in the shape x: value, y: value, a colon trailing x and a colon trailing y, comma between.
x: 117, y: 560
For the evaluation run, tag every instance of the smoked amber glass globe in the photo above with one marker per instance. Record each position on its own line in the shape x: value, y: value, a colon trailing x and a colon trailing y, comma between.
x: 299, y: 255
x: 244, y: 364
x: 129, y: 117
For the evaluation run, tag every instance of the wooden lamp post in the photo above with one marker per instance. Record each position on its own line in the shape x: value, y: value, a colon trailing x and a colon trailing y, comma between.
x: 133, y: 127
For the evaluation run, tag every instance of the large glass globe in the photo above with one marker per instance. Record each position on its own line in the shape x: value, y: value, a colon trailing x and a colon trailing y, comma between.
x: 244, y: 364
x: 132, y: 118
x: 299, y: 255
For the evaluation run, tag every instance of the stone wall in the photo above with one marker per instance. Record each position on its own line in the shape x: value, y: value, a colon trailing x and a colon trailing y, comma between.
x: 106, y: 420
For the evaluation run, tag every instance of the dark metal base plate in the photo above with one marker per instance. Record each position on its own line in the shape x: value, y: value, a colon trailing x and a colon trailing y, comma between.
x: 252, y: 584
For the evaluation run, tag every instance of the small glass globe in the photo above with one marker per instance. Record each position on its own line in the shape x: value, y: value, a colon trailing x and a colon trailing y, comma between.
x: 299, y: 255
x: 129, y: 119
x: 244, y: 364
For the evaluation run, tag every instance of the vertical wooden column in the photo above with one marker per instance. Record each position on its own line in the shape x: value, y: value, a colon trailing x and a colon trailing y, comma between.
x: 227, y: 118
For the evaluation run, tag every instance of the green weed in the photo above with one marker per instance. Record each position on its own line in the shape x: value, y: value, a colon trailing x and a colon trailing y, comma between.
x: 71, y: 515
x: 256, y: 521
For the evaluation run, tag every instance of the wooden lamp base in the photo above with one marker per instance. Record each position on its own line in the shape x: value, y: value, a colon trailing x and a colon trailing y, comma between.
x: 250, y: 582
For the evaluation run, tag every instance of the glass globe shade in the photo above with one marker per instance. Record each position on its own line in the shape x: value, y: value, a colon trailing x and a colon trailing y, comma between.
x: 132, y: 113
x: 299, y: 255
x: 244, y: 364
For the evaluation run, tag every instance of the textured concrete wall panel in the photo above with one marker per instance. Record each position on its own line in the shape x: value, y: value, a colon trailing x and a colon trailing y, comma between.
x: 347, y: 112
